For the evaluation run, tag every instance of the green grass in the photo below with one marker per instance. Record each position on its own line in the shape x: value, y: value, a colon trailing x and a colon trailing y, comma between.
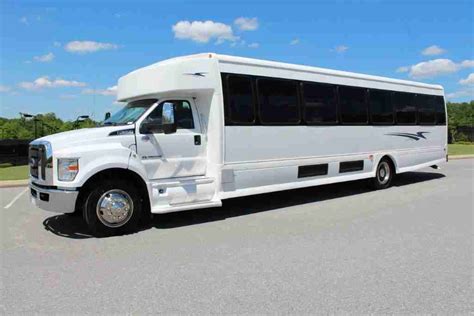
x: 14, y: 173
x: 460, y: 149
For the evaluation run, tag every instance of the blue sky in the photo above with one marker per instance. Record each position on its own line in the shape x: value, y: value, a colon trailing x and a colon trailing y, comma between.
x: 66, y: 56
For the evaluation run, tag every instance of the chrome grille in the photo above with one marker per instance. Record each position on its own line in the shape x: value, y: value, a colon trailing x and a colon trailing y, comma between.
x: 37, y: 161
x: 33, y: 160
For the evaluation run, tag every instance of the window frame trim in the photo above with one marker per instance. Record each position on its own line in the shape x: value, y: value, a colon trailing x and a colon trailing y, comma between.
x: 298, y: 105
x: 395, y: 110
x: 254, y: 103
x: 303, y: 104
x: 371, y: 122
x: 367, y: 122
x: 196, y: 127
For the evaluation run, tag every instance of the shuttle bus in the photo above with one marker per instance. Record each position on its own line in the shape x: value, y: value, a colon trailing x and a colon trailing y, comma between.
x: 199, y: 129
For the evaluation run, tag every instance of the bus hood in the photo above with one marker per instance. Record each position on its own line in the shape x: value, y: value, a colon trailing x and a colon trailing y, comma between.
x: 88, y: 136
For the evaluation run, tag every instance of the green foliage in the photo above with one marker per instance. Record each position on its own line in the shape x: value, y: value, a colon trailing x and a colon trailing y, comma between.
x: 460, y: 114
x: 46, y: 124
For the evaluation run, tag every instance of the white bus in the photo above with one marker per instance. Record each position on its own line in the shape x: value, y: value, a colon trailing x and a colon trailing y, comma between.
x: 203, y: 128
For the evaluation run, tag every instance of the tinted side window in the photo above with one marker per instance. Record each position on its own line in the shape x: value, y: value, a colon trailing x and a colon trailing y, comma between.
x: 319, y: 103
x: 352, y: 105
x: 381, y: 109
x: 426, y: 109
x: 404, y: 108
x: 182, y: 112
x: 240, y: 100
x: 278, y: 101
x: 440, y: 110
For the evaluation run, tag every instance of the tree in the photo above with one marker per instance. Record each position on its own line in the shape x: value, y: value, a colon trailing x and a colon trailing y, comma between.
x: 460, y: 114
x: 46, y: 124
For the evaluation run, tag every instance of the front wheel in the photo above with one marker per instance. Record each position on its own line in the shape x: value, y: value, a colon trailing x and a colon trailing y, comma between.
x: 113, y: 207
x: 383, y: 175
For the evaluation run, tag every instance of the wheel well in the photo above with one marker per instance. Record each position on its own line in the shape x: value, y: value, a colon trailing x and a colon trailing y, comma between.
x: 114, y: 173
x: 390, y: 161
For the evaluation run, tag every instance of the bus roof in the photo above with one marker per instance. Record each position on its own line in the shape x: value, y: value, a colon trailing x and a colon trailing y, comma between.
x: 297, y: 68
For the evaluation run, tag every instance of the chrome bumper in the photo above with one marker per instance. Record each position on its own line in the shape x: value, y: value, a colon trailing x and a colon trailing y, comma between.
x: 52, y: 199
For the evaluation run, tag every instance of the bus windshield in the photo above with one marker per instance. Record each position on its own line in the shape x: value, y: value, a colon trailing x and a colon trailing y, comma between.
x: 129, y: 113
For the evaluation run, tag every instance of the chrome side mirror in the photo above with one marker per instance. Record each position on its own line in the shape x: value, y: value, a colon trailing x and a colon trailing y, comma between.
x: 168, y: 119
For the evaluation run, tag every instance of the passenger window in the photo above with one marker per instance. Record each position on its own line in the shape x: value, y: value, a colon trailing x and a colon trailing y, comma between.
x: 381, y: 110
x: 352, y: 104
x: 426, y: 109
x: 241, y: 104
x: 405, y: 109
x: 319, y: 103
x: 278, y: 102
x: 182, y: 112
x: 440, y: 110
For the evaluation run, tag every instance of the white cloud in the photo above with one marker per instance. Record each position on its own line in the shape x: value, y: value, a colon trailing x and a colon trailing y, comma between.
x: 4, y: 89
x: 436, y: 67
x: 468, y: 81
x: 340, y: 49
x: 254, y: 45
x: 433, y: 50
x: 246, y: 24
x: 204, y: 31
x: 467, y: 63
x: 24, y: 20
x: 296, y: 41
x: 56, y: 44
x: 83, y: 47
x: 109, y: 91
x: 463, y: 93
x: 44, y: 58
x: 45, y: 82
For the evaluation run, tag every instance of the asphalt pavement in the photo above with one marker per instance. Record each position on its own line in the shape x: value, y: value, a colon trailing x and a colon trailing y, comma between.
x: 332, y: 249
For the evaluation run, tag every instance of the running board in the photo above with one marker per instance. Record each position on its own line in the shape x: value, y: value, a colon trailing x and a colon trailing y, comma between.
x: 185, y: 207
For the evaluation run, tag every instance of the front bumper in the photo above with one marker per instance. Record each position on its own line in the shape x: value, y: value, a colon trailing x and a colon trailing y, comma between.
x: 53, y: 199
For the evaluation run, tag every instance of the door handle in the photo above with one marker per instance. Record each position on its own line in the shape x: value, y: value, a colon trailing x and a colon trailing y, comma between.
x: 197, y: 140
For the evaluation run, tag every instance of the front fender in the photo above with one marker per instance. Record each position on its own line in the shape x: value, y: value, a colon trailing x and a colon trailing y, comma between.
x: 94, y: 159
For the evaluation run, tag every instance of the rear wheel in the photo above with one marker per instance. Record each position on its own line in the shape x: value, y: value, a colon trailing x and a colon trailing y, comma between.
x: 383, y: 175
x: 113, y: 207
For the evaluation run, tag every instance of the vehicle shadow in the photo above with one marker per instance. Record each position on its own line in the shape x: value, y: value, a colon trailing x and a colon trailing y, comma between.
x: 72, y: 226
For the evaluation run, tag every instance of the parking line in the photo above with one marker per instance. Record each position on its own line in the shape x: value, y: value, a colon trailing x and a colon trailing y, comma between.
x: 16, y: 198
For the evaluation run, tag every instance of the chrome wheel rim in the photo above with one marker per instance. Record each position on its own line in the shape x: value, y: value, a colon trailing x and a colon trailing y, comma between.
x: 114, y: 208
x: 383, y: 173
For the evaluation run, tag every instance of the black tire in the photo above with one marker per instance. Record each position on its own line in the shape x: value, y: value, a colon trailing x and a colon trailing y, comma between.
x: 125, y: 195
x: 383, y: 175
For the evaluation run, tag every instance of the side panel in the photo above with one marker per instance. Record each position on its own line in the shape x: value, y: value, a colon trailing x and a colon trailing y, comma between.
x: 266, y: 158
x: 265, y: 143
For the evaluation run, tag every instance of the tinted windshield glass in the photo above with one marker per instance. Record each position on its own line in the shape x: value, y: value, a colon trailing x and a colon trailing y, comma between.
x: 130, y: 113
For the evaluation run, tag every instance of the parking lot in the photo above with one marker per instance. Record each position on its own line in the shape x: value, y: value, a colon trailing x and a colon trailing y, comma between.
x: 336, y: 248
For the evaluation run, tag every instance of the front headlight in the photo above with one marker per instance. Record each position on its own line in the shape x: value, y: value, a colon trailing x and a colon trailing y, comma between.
x: 67, y: 168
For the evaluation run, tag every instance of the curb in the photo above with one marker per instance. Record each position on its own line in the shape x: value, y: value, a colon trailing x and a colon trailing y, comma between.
x: 456, y: 157
x: 14, y: 183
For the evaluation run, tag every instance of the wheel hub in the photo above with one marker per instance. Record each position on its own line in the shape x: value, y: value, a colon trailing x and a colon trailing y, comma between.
x: 114, y: 208
x: 383, y: 172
